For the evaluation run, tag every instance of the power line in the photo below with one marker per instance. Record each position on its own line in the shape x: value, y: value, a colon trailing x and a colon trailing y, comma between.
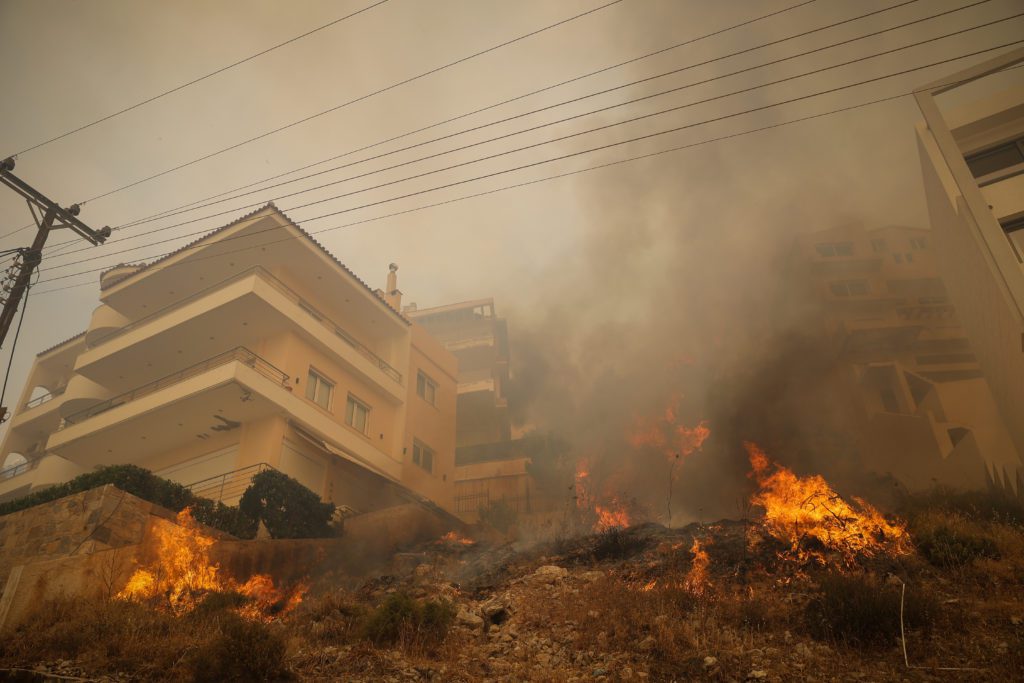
x: 200, y: 79
x: 342, y: 105
x: 192, y: 206
x: 517, y: 98
x: 602, y: 147
x: 534, y: 145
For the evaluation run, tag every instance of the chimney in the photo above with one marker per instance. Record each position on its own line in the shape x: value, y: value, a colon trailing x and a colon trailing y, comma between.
x: 392, y: 294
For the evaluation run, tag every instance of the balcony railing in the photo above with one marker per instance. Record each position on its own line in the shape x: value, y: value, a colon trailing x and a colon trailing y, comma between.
x: 339, y: 331
x: 40, y: 400
x: 20, y: 468
x: 240, y: 354
x: 228, y: 486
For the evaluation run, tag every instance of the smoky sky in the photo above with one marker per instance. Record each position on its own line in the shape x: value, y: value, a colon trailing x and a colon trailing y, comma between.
x: 622, y: 286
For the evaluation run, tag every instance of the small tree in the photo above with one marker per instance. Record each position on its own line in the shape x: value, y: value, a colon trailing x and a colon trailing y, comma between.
x: 286, y: 507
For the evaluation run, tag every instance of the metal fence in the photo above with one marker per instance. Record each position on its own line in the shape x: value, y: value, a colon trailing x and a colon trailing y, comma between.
x: 227, y: 488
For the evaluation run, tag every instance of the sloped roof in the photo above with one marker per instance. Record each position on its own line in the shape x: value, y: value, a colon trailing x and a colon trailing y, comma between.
x: 269, y: 205
x: 60, y: 344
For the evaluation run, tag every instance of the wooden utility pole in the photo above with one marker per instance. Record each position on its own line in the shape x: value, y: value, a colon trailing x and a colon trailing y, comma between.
x: 48, y: 216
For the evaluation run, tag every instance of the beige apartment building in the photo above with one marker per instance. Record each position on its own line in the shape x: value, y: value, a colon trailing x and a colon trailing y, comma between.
x: 906, y: 368
x: 971, y: 144
x: 489, y: 465
x: 251, y: 347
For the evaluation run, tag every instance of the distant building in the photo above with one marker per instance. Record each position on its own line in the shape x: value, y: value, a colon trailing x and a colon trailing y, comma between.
x: 490, y: 465
x: 971, y: 144
x: 252, y: 347
x: 922, y: 404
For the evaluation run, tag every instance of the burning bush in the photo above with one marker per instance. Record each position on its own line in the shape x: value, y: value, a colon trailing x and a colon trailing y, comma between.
x: 183, y: 577
x: 863, y: 611
x: 806, y: 514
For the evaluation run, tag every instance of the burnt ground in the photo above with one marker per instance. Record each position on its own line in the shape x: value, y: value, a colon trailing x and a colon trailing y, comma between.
x: 616, y: 606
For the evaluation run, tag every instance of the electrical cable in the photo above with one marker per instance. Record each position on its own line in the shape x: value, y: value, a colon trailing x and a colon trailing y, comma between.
x: 198, y: 80
x: 499, y: 154
x: 14, y: 344
x: 341, y: 106
x: 193, y: 205
x: 617, y: 162
x: 519, y: 97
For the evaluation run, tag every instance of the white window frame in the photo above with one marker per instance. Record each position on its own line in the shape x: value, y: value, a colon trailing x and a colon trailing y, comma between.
x: 316, y: 381
x: 419, y: 449
x: 351, y: 403
x: 428, y: 386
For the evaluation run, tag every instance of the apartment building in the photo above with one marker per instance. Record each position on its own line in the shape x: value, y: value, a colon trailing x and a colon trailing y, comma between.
x: 489, y: 465
x: 971, y: 144
x: 913, y: 382
x: 251, y: 347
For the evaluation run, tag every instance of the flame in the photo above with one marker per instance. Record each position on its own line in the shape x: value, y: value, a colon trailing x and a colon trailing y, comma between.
x: 814, y: 520
x: 697, y: 581
x: 454, y: 538
x: 610, y: 517
x: 667, y: 434
x: 183, y: 574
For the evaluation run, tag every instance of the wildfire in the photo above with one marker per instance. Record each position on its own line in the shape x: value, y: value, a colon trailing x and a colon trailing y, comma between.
x: 455, y: 539
x: 697, y: 581
x: 814, y: 520
x: 611, y: 517
x: 667, y: 433
x: 183, y: 575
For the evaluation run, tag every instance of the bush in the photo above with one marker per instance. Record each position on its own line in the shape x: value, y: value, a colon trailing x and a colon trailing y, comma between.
x: 287, y: 508
x: 401, y: 619
x: 861, y: 610
x: 241, y: 651
x: 946, y: 547
x: 617, y: 544
x: 982, y: 506
x: 498, y: 515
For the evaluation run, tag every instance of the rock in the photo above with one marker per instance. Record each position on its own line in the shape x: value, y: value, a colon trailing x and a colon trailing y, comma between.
x: 757, y: 675
x: 661, y: 619
x: 467, y: 618
x: 647, y: 644
x: 710, y: 662
x: 592, y: 576
x: 802, y: 650
x: 1016, y: 621
x: 599, y: 672
x: 544, y: 659
x: 550, y: 573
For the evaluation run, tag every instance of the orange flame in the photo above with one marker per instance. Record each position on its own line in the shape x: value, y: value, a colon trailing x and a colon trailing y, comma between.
x: 667, y: 434
x: 814, y: 520
x: 183, y: 574
x: 454, y: 538
x: 697, y: 581
x: 610, y: 517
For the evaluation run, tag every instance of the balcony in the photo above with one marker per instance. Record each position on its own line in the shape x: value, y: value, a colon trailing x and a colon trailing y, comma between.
x: 245, y: 309
x: 214, y: 397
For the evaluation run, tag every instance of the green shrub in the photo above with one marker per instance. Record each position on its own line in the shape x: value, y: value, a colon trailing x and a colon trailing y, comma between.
x: 862, y: 611
x: 287, y: 508
x: 946, y: 547
x: 241, y: 651
x: 400, y: 618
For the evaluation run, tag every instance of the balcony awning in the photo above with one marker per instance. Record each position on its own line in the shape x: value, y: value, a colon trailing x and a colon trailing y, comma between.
x: 339, y: 451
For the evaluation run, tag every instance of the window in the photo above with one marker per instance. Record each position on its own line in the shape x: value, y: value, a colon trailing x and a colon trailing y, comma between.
x: 423, y: 456
x: 357, y: 414
x: 909, y: 257
x: 835, y: 249
x: 889, y: 402
x: 426, y: 388
x: 996, y: 158
x: 319, y: 389
x: 898, y: 258
x: 849, y: 288
x: 918, y: 243
x: 877, y: 246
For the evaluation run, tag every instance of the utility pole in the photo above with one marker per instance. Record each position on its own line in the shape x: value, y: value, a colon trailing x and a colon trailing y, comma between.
x: 48, y: 216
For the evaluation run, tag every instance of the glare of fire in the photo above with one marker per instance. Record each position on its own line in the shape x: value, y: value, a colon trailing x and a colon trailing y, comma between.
x: 454, y: 538
x: 183, y: 574
x: 802, y: 509
x: 610, y: 517
x: 668, y: 434
x: 697, y: 581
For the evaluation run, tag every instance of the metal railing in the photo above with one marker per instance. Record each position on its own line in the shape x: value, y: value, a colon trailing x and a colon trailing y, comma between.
x: 20, y: 468
x: 40, y: 400
x: 240, y: 354
x: 228, y: 486
x: 290, y: 294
